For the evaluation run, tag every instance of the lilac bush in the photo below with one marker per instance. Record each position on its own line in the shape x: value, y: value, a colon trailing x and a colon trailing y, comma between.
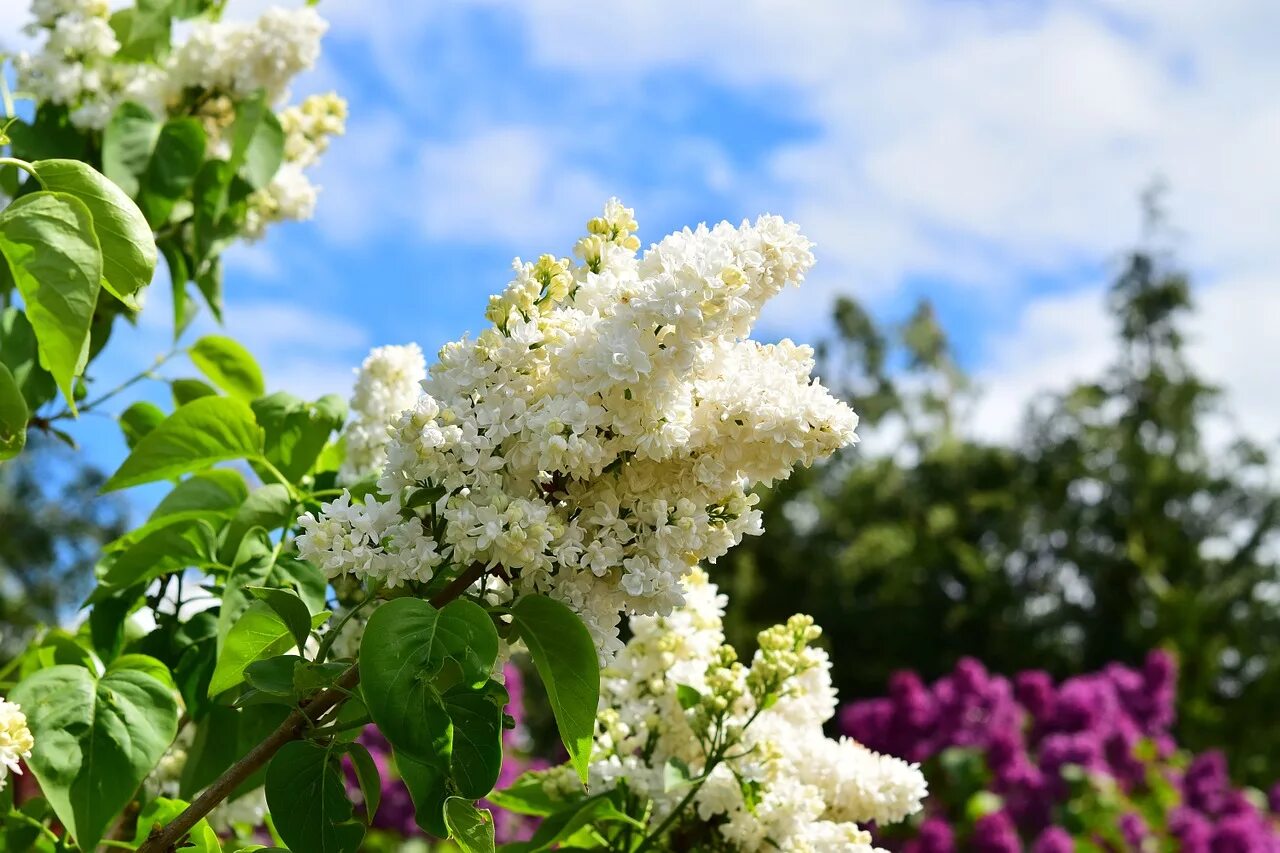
x: 1090, y: 763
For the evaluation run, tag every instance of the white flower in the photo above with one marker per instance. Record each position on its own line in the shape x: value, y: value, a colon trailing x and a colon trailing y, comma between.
x: 289, y: 196
x: 216, y: 66
x: 240, y: 59
x: 603, y: 436
x: 16, y: 742
x: 309, y: 126
x: 387, y: 383
x: 807, y: 792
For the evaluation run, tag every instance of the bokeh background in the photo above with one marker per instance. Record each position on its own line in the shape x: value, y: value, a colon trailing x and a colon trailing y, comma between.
x: 1047, y: 277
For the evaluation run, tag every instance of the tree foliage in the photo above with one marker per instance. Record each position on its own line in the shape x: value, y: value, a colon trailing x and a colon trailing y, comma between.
x: 1124, y: 515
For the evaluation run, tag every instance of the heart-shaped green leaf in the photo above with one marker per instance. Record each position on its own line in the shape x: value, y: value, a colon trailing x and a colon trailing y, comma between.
x: 128, y: 250
x: 55, y: 261
x: 95, y: 740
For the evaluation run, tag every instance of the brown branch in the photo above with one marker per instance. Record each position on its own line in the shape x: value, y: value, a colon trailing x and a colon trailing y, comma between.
x: 165, y: 840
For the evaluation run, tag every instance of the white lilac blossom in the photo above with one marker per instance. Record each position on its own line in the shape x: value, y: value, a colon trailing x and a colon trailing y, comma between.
x: 309, y: 126
x: 78, y: 66
x: 387, y: 383
x: 15, y: 740
x: 291, y: 195
x: 776, y: 781
x: 243, y: 58
x: 602, y: 436
x: 218, y: 64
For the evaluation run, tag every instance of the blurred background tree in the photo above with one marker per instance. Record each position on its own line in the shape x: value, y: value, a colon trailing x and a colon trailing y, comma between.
x: 1123, y: 517
x: 53, y: 524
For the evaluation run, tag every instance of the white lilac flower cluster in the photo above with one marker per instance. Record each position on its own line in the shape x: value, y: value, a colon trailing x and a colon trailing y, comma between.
x: 308, y: 128
x: 602, y: 436
x: 15, y: 740
x: 387, y: 383
x: 676, y: 696
x: 80, y: 67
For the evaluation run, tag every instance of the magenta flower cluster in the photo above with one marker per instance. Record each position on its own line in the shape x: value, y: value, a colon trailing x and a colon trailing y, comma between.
x: 1096, y: 747
x: 396, y: 814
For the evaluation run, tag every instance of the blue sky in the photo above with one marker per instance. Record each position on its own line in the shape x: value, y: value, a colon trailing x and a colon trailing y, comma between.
x: 985, y: 154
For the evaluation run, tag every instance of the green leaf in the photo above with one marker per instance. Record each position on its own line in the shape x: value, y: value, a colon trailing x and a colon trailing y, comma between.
x: 528, y: 796
x: 165, y: 549
x: 475, y: 759
x: 566, y: 660
x: 143, y: 663
x: 154, y: 525
x: 53, y: 255
x: 210, y: 196
x: 229, y: 366
x: 143, y: 30
x: 107, y: 620
x: 127, y: 142
x: 252, y: 563
x: 209, y: 283
x: 219, y: 492
x: 308, y: 800
x: 304, y: 578
x: 562, y: 824
x: 186, y: 390
x: 687, y: 696
x: 20, y: 353
x: 183, y: 9
x: 258, y: 633
x: 257, y: 141
x: 368, y: 777
x: 273, y: 675
x: 51, y: 135
x: 177, y: 157
x: 428, y: 784
x: 675, y: 774
x: 223, y: 736
x: 312, y: 677
x: 469, y: 827
x: 200, y: 434
x: 184, y: 310
x: 57, y: 647
x: 138, y: 420
x: 128, y: 250
x: 406, y: 644
x: 160, y: 811
x: 289, y: 607
x: 13, y: 416
x: 269, y: 507
x: 297, y: 431
x: 95, y: 741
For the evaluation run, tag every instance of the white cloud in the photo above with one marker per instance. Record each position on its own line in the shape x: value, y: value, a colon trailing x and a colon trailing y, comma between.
x: 1063, y: 339
x: 361, y: 180
x: 503, y: 185
x: 1056, y: 342
x: 305, y: 351
x: 1234, y: 341
x: 13, y: 17
x: 256, y: 259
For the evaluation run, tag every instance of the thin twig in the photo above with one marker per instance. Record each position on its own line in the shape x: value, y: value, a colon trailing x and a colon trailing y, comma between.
x: 165, y: 840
